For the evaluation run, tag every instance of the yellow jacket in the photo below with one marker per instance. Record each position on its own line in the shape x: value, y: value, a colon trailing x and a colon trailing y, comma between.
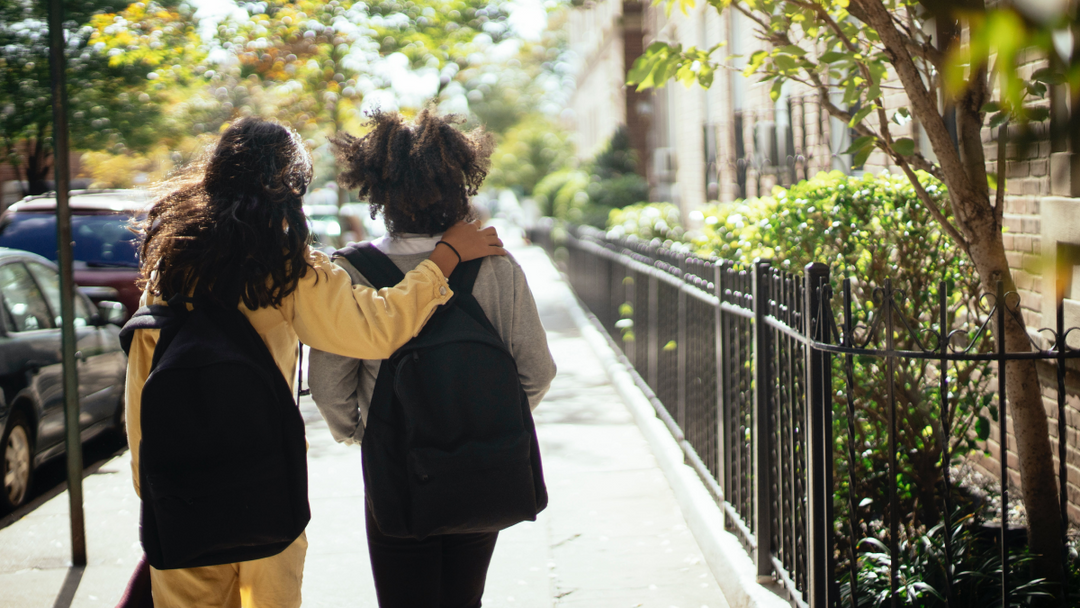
x: 326, y: 311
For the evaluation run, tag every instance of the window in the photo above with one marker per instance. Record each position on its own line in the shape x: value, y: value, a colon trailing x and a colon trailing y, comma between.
x: 100, y: 240
x: 24, y: 305
x: 49, y: 281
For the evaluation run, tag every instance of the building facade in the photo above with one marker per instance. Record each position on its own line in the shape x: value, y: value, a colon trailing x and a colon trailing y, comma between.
x: 733, y: 141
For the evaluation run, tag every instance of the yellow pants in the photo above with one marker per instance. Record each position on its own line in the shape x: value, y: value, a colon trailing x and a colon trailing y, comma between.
x: 271, y: 582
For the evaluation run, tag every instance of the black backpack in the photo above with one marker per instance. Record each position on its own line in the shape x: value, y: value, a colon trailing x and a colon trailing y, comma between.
x: 450, y: 446
x: 223, y: 459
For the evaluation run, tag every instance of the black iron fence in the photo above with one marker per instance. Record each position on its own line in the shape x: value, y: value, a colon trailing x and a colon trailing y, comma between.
x: 759, y: 380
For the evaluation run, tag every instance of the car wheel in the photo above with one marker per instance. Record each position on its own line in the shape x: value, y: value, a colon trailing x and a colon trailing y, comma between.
x: 16, y: 463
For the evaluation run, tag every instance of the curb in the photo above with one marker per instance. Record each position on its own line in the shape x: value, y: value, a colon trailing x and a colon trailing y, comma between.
x: 735, y: 572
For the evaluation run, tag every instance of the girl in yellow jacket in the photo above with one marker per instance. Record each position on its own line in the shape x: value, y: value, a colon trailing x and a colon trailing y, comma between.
x: 239, y: 223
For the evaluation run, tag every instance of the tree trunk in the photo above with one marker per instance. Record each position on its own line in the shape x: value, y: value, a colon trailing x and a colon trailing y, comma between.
x: 1030, y: 428
x: 977, y: 219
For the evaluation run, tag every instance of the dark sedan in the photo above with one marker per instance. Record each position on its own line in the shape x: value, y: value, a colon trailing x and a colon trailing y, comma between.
x: 31, y: 372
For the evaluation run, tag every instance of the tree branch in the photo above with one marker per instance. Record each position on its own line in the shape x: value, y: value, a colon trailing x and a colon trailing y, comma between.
x: 961, y: 190
x: 935, y: 211
x: 919, y: 162
x: 885, y: 142
x: 969, y: 122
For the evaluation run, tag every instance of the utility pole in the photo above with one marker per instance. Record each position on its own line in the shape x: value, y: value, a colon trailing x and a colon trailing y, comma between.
x: 61, y: 172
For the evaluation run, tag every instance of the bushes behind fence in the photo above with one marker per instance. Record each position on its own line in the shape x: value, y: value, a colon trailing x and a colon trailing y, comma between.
x: 872, y: 229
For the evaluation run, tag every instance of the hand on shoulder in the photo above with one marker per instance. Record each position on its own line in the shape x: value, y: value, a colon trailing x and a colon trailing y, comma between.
x: 470, y: 241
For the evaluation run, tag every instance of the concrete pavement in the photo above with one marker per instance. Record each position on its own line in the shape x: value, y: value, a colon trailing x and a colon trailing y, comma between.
x: 612, y: 535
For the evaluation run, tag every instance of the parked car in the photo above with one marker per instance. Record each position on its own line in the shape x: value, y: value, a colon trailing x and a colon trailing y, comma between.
x: 31, y: 371
x: 105, y: 251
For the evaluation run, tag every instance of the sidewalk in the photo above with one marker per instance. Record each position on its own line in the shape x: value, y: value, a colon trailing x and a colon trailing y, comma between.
x: 612, y: 535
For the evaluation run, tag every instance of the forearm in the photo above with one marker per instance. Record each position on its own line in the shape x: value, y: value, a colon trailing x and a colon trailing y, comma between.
x: 355, y: 321
x: 445, y: 258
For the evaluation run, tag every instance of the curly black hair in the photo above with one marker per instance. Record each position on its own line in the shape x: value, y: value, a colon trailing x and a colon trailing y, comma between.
x: 419, y: 176
x: 232, y: 227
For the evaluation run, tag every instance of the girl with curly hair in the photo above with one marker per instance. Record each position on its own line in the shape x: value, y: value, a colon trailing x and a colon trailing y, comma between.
x: 234, y: 233
x: 419, y: 178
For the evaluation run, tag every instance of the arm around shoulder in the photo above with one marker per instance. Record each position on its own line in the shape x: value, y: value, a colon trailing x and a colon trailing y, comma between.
x: 331, y: 314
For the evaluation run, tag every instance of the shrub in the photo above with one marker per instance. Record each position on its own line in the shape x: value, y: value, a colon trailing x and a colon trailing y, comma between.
x: 530, y: 150
x: 587, y: 196
x: 647, y: 221
x: 975, y: 567
x: 618, y: 192
x: 872, y: 229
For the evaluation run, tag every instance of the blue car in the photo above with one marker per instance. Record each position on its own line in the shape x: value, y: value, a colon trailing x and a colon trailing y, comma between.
x: 31, y: 372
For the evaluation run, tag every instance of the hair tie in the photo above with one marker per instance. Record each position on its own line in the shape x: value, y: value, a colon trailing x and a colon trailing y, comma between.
x: 452, y: 248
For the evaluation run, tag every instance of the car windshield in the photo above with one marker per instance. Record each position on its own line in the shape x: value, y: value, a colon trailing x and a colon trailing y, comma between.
x: 100, y: 240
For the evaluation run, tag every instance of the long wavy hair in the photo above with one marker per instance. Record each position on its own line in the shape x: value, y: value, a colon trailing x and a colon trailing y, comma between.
x: 232, y: 227
x: 419, y: 176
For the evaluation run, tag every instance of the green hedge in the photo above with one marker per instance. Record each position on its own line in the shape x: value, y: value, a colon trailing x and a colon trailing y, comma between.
x: 870, y: 229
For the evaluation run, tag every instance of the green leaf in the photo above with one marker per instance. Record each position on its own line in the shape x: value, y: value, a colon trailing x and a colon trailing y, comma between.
x: 786, y: 63
x: 644, y: 64
x: 998, y: 119
x: 904, y: 146
x: 1048, y: 76
x: 1038, y: 114
x: 860, y: 157
x: 705, y: 76
x: 833, y: 57
x: 861, y: 115
x: 990, y: 107
x: 756, y: 60
x: 992, y: 180
x: 982, y: 428
x: 793, y: 49
x: 777, y: 87
x: 874, y: 92
x: 656, y: 66
x: 671, y: 345
x: 862, y: 142
x: 878, y: 71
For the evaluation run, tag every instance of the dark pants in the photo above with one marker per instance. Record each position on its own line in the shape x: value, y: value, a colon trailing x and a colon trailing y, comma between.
x: 445, y: 571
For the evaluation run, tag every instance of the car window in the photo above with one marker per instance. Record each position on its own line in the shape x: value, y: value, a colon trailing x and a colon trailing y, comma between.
x: 49, y: 281
x: 23, y: 302
x: 100, y: 240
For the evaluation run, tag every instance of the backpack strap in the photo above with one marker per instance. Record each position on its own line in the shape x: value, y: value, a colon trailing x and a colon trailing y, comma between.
x: 381, y: 272
x: 300, y: 390
x: 373, y: 264
x: 461, y: 282
x: 464, y: 276
x: 154, y: 316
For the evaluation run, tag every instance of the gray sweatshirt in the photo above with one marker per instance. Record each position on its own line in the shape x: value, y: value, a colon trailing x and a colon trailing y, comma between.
x: 342, y: 386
